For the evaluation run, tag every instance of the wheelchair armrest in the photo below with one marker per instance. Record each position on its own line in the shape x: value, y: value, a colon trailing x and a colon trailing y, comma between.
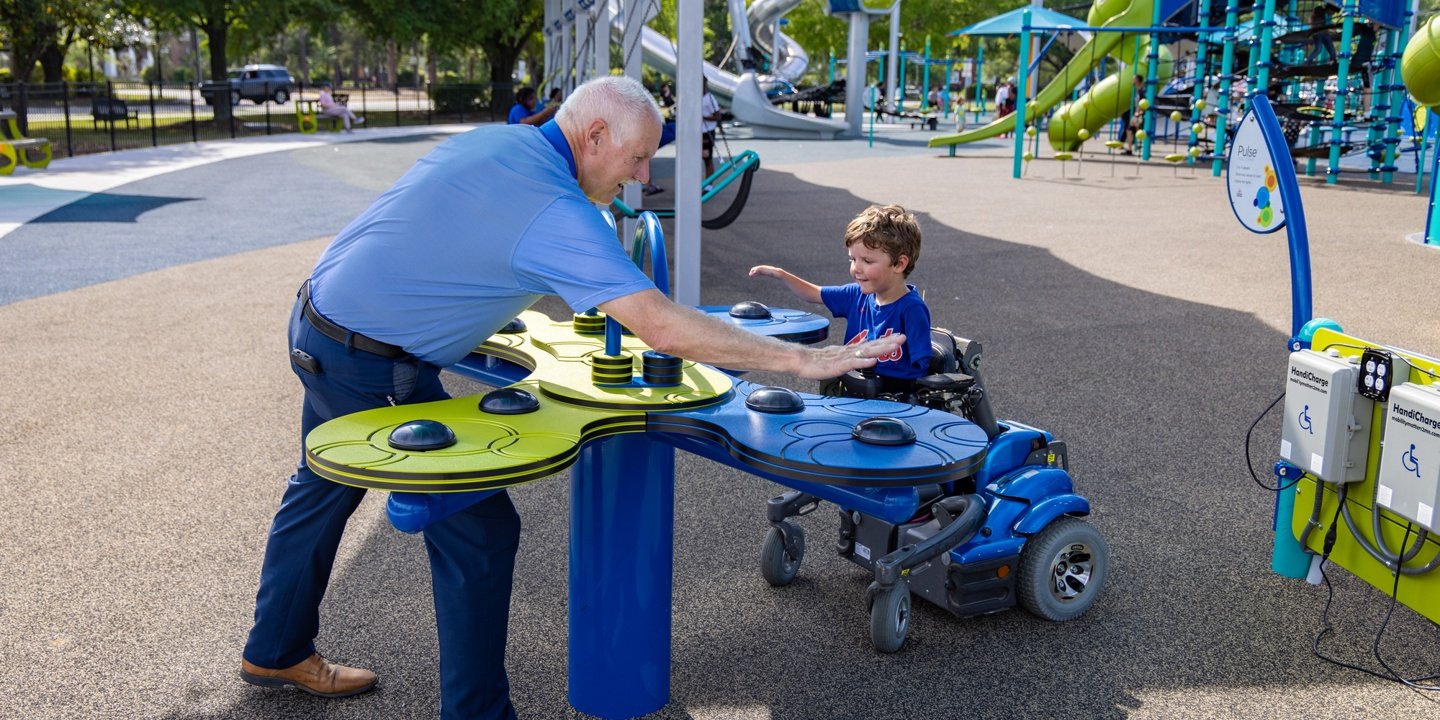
x: 946, y: 382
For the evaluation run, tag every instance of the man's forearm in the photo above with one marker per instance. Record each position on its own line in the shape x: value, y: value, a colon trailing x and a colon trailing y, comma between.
x: 695, y: 336
x: 684, y: 332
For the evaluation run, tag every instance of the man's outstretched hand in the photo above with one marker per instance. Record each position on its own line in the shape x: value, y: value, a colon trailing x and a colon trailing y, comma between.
x: 836, y: 360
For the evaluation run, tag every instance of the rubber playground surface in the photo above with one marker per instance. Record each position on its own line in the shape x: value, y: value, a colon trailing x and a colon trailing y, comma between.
x: 151, y: 421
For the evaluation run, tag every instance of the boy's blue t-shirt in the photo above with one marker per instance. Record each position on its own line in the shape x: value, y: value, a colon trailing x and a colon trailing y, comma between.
x: 867, y: 320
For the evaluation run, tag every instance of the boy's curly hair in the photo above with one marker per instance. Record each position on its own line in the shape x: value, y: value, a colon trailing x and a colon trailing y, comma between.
x: 890, y: 228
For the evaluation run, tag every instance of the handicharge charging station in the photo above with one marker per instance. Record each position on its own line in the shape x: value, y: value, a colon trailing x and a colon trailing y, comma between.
x: 1325, y: 417
x: 1409, y: 476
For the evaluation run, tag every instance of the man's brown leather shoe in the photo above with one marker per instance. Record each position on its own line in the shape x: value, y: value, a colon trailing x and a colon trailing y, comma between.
x: 314, y: 675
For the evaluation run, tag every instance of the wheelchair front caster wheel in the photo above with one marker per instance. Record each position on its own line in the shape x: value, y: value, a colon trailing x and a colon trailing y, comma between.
x: 778, y: 565
x: 889, y: 616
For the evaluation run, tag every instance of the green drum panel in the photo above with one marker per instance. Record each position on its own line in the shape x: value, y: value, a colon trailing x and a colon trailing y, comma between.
x: 1421, y: 593
x: 490, y: 450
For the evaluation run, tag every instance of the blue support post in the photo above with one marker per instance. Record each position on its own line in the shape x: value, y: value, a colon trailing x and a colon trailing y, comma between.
x: 1287, y: 557
x: 622, y: 499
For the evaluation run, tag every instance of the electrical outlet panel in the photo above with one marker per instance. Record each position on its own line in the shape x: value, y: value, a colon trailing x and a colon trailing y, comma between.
x: 1409, y: 477
x: 1325, y: 429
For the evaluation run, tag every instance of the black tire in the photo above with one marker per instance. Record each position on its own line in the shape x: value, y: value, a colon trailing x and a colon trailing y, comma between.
x: 777, y: 566
x: 1062, y: 570
x: 281, y: 96
x: 889, y: 616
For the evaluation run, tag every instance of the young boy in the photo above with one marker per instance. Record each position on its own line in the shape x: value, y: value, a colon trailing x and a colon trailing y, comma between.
x: 883, y: 244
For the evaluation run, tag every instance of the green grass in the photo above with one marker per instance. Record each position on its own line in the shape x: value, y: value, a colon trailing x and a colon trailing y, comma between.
x: 87, y: 136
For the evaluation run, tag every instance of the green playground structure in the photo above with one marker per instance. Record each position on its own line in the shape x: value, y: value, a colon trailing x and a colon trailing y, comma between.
x: 1119, y: 46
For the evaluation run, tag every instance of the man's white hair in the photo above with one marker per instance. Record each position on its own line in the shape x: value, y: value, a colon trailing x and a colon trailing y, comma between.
x: 620, y: 101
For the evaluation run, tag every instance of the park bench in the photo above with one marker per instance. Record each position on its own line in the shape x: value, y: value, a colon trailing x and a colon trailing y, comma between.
x: 307, y: 113
x: 110, y: 109
x: 16, y: 149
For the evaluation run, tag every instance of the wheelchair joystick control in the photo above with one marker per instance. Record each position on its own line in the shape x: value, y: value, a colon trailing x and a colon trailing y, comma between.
x: 775, y: 400
x: 509, y: 401
x: 750, y: 310
x: 883, y: 430
x: 422, y: 435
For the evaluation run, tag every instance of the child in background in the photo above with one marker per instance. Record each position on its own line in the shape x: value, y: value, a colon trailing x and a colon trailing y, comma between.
x: 883, y: 244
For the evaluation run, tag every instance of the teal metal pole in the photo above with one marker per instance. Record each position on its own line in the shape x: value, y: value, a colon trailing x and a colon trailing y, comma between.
x: 1267, y: 26
x: 1152, y: 78
x: 1342, y: 92
x: 1394, y: 91
x: 1024, y: 91
x: 925, y: 83
x: 1251, y: 78
x: 873, y: 113
x: 1202, y: 50
x: 900, y: 91
x: 1316, y: 134
x: 1227, y: 66
x: 979, y: 80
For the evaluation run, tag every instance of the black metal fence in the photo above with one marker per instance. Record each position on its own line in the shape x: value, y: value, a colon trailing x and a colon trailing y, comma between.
x: 84, y: 118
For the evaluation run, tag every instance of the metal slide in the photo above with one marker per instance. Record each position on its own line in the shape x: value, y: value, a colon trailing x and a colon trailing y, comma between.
x: 747, y: 100
x: 788, y: 59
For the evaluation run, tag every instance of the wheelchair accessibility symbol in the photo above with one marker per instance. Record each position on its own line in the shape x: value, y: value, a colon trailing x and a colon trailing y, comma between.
x: 1305, y: 420
x: 1409, y: 460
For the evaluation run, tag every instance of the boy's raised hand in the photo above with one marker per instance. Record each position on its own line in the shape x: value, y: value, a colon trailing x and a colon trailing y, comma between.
x: 766, y: 271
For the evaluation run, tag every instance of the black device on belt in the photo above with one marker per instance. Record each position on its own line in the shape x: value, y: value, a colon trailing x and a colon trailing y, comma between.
x: 343, y: 336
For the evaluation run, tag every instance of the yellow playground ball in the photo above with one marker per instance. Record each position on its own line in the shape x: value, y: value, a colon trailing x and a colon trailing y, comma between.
x: 1141, y: 135
x: 1195, y: 151
x: 1198, y: 129
x: 1199, y: 104
x: 1175, y: 116
x: 1083, y: 134
x: 1030, y: 131
x: 1144, y: 104
x: 1028, y: 156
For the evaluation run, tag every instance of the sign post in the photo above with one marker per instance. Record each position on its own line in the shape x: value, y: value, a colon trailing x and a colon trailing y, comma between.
x: 1265, y: 197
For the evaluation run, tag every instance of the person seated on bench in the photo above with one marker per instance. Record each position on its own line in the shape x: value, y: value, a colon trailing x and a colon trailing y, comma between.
x: 329, y: 107
x: 524, y: 112
x: 883, y: 243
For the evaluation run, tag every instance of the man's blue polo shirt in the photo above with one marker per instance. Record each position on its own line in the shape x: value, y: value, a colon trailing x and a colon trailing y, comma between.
x: 474, y: 234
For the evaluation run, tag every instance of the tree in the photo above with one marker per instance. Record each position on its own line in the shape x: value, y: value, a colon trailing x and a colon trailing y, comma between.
x: 216, y: 18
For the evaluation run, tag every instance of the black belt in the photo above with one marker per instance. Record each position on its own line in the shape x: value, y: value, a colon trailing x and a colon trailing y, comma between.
x: 343, y: 336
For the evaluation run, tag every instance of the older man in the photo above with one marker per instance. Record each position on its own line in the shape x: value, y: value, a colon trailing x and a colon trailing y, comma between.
x: 476, y: 232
